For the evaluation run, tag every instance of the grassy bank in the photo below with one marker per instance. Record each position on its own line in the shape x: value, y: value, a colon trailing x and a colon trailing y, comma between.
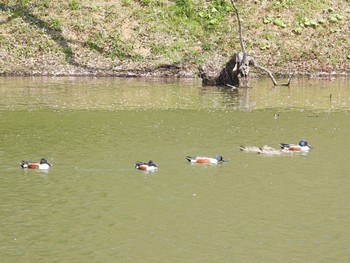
x: 160, y: 37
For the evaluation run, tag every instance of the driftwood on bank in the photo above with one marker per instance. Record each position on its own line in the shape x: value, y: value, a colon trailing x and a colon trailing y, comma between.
x: 238, y: 67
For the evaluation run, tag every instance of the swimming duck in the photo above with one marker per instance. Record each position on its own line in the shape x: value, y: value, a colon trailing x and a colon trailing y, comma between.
x: 42, y: 165
x: 150, y: 166
x: 202, y: 159
x: 269, y: 151
x: 303, y: 146
x: 254, y: 149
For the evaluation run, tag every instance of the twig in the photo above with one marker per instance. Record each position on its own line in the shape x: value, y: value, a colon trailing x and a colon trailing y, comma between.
x: 289, y: 80
x: 239, y: 26
x: 273, y: 79
x: 231, y: 86
x: 269, y: 73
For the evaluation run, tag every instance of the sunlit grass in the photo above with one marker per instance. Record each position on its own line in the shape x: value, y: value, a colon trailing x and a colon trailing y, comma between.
x: 159, y: 31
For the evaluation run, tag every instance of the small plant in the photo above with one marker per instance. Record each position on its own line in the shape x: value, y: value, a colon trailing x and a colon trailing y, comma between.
x: 280, y: 4
x: 322, y: 21
x: 110, y: 15
x: 297, y: 30
x: 73, y: 5
x: 149, y: 2
x: 339, y: 16
x: 267, y: 35
x: 207, y: 46
x: 78, y: 27
x: 118, y: 48
x: 94, y: 46
x: 23, y: 2
x: 43, y: 4
x: 304, y: 22
x: 126, y: 3
x: 265, y: 46
x: 348, y: 56
x: 96, y: 41
x: 68, y: 52
x: 279, y: 22
x: 158, y: 49
x: 55, y: 24
x: 267, y: 19
x: 309, y: 23
x: 334, y: 18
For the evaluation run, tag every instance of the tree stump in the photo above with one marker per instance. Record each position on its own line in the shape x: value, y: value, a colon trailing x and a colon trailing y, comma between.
x: 237, y: 67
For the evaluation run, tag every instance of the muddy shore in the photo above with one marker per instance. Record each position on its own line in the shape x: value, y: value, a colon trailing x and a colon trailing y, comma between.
x: 130, y: 70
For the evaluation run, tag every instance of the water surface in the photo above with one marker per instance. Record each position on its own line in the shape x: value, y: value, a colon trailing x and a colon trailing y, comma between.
x: 93, y: 206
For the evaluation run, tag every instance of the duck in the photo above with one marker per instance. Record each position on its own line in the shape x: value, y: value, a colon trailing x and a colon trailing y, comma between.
x: 150, y: 166
x: 266, y: 150
x: 303, y: 146
x: 42, y: 165
x: 202, y: 159
x: 254, y: 149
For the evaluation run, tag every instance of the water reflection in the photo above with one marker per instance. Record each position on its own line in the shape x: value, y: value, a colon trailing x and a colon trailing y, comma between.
x: 73, y: 93
x: 41, y: 173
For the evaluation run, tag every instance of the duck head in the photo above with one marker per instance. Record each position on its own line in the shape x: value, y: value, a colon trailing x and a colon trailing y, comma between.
x: 304, y: 143
x: 43, y: 160
x: 151, y: 163
x: 219, y: 158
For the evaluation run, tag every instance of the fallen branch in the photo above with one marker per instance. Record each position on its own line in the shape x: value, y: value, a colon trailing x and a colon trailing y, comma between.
x: 273, y: 79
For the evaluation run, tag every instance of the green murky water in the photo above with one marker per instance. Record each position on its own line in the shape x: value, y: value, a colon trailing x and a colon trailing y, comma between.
x: 93, y: 206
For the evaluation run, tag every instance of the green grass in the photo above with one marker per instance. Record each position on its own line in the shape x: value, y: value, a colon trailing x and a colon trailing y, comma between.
x: 152, y: 32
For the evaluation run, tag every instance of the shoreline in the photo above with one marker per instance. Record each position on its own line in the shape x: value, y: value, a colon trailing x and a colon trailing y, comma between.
x: 164, y: 74
x: 163, y: 71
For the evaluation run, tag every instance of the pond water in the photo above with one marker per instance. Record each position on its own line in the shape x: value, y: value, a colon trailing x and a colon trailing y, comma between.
x: 94, y: 206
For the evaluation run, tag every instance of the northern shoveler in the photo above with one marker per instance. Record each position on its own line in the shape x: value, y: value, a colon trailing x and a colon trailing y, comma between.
x: 249, y: 148
x: 266, y: 150
x: 256, y: 149
x: 303, y: 146
x: 201, y: 159
x: 150, y: 166
x: 42, y: 165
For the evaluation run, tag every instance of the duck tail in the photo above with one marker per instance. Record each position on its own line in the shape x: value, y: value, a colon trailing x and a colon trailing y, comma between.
x: 242, y: 148
x: 24, y: 164
x: 138, y: 163
x: 189, y: 158
x: 284, y: 145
